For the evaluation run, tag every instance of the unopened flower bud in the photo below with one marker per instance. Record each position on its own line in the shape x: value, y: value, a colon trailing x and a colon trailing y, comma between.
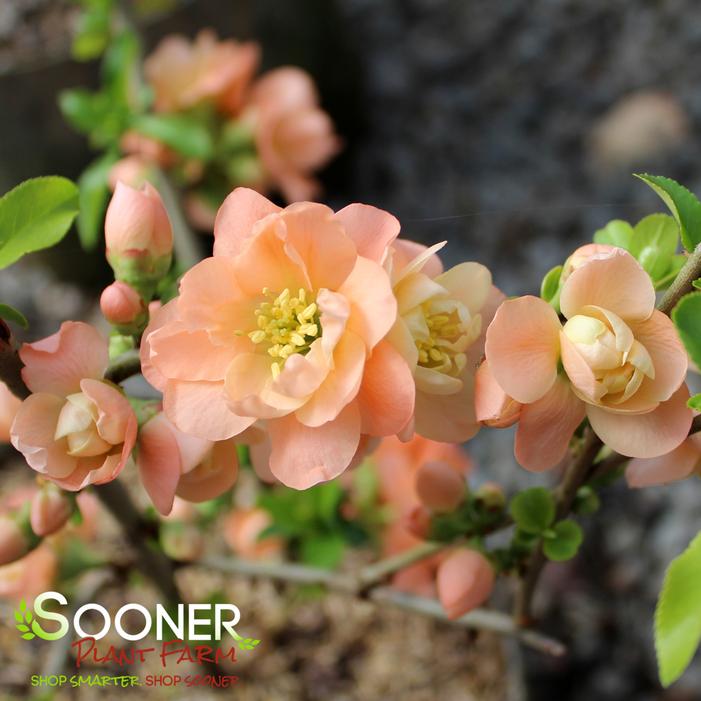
x: 439, y: 487
x: 418, y: 522
x: 465, y: 580
x: 50, y: 510
x: 138, y: 235
x: 491, y: 495
x: 13, y: 541
x: 121, y: 304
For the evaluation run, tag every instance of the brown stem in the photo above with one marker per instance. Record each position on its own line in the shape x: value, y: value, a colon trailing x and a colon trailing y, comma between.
x: 682, y: 284
x: 480, y: 619
x: 151, y: 561
x: 576, y: 475
x: 124, y: 366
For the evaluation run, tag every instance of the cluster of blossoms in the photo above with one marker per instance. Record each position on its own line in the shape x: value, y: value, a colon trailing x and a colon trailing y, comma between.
x: 270, y: 131
x: 311, y: 335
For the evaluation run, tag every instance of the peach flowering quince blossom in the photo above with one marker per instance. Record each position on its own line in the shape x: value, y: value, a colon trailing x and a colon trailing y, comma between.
x: 285, y: 325
x: 184, y: 73
x: 616, y: 360
x: 440, y: 331
x: 684, y: 461
x: 293, y: 135
x: 171, y: 462
x: 76, y: 428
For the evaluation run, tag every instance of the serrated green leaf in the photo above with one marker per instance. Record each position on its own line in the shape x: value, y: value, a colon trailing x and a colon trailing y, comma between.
x: 533, y: 510
x: 94, y: 193
x: 551, y: 283
x: 684, y: 206
x: 34, y: 215
x: 616, y: 233
x: 695, y: 402
x: 687, y: 318
x: 565, y: 542
x: 678, y: 614
x: 654, y: 243
x: 9, y: 313
x: 182, y: 133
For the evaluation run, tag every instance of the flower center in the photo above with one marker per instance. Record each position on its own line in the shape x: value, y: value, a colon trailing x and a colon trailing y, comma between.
x: 76, y: 424
x: 286, y: 324
x: 449, y: 335
x: 618, y: 361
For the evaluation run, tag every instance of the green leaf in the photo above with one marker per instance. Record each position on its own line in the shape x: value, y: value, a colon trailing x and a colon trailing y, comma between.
x: 684, y: 205
x: 19, y: 617
x: 92, y: 31
x: 695, y: 402
x: 654, y: 243
x: 533, y: 510
x: 551, y: 283
x: 34, y: 215
x: 697, y: 284
x: 565, y: 542
x: 182, y: 133
x: 9, y: 313
x: 687, y: 318
x: 22, y: 628
x: 678, y: 614
x: 98, y: 114
x: 94, y: 194
x: 29, y: 636
x: 616, y: 233
x: 322, y: 550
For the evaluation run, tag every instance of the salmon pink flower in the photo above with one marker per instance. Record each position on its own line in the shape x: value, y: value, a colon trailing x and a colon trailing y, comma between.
x: 76, y: 429
x: 184, y: 74
x: 493, y: 406
x: 285, y: 325
x: 440, y: 330
x: 293, y: 135
x: 617, y: 360
x: 171, y: 463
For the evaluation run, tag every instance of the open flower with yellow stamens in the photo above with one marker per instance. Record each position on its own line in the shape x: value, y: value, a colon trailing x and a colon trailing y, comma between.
x: 616, y: 359
x: 442, y: 317
x: 285, y: 325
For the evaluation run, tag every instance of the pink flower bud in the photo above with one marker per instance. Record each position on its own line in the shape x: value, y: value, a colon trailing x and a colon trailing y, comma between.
x: 465, y: 580
x: 50, y: 510
x: 13, y: 542
x: 138, y: 234
x: 418, y: 522
x: 120, y: 303
x: 439, y: 486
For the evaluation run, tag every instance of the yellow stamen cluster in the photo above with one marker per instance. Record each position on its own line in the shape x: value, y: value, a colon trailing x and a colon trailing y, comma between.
x: 287, y: 324
x: 448, y: 338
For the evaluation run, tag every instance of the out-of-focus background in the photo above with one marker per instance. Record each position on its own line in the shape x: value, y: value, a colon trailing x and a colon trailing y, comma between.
x: 509, y: 128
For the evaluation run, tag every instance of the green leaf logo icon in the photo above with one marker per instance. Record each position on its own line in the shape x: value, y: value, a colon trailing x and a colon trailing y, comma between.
x: 23, y: 620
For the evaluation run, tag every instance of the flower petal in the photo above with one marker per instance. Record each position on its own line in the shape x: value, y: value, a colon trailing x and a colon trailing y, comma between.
x: 523, y: 347
x: 372, y: 229
x: 615, y: 281
x: 546, y: 426
x: 200, y: 409
x: 470, y: 283
x: 58, y: 363
x: 644, y: 435
x: 213, y: 476
x: 373, y: 305
x: 674, y: 466
x: 236, y: 218
x: 158, y: 460
x: 302, y: 457
x: 386, y: 396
